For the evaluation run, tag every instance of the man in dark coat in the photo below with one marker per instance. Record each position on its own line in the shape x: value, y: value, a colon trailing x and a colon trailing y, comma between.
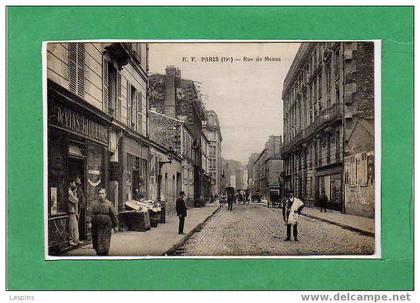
x: 181, y: 212
x: 230, y: 200
x: 323, y: 200
x: 295, y: 206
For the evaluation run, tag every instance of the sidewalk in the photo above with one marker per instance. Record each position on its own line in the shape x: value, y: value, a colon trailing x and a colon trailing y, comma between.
x: 156, y: 242
x: 362, y: 225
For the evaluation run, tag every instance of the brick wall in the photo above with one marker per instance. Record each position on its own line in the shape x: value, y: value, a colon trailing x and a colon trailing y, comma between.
x: 364, y: 96
x: 165, y: 131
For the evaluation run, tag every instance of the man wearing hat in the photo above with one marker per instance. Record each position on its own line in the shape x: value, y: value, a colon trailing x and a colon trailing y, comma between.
x: 181, y: 212
x: 292, y: 208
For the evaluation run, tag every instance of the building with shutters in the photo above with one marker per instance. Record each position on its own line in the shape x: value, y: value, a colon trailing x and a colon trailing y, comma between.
x: 267, y: 168
x: 211, y: 128
x: 171, y: 133
x: 207, y: 180
x: 179, y: 98
x: 97, y: 127
x: 327, y: 91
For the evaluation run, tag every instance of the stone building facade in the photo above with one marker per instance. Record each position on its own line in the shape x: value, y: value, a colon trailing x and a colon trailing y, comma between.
x: 211, y: 128
x: 328, y: 89
x: 179, y: 98
x: 251, y: 172
x: 97, y: 127
x: 267, y: 168
x: 171, y: 133
x: 233, y: 174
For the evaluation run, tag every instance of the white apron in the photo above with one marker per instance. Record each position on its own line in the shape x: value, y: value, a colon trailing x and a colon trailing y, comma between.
x: 294, y: 216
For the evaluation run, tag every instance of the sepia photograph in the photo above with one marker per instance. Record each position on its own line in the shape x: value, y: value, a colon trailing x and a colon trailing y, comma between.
x: 211, y: 149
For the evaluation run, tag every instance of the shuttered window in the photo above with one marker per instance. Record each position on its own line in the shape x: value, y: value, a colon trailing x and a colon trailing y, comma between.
x: 105, y: 82
x: 118, y: 97
x: 129, y: 104
x: 134, y: 98
x: 76, y: 62
x: 139, y: 113
x: 136, y: 48
x: 111, y: 93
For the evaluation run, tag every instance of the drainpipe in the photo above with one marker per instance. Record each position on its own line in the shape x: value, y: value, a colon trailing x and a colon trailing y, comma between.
x: 343, y: 122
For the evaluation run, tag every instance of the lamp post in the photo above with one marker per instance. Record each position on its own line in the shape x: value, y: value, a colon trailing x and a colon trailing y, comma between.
x: 160, y: 164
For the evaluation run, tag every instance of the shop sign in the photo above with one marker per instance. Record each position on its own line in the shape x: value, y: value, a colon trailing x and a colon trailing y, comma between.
x: 78, y: 123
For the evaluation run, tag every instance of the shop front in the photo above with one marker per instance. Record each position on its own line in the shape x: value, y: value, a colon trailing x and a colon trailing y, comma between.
x: 77, y: 147
x: 329, y: 181
x: 134, y: 156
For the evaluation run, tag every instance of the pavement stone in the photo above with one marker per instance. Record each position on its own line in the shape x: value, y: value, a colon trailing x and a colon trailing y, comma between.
x: 155, y: 242
x: 355, y: 223
x: 255, y: 230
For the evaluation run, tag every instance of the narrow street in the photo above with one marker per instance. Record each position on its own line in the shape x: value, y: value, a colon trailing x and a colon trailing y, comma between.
x: 256, y: 230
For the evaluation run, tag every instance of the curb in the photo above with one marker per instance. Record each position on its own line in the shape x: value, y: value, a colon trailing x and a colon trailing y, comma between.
x: 345, y: 226
x: 173, y: 249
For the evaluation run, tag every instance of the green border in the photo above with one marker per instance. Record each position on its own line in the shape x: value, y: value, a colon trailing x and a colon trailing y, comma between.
x: 29, y: 26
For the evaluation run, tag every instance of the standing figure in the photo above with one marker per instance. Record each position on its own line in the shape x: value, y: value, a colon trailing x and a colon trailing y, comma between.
x: 230, y: 200
x: 103, y: 218
x: 137, y: 194
x: 292, y: 208
x: 181, y: 212
x: 323, y: 200
x: 82, y: 206
x: 73, y: 209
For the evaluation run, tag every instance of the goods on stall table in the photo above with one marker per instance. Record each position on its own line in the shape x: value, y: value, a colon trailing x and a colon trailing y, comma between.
x: 150, y: 205
x: 133, y: 204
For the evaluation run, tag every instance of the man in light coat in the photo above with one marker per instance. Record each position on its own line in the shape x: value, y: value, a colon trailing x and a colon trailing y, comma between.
x: 292, y: 208
x: 73, y: 210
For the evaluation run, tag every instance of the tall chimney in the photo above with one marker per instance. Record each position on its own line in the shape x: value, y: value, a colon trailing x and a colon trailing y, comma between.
x: 172, y: 74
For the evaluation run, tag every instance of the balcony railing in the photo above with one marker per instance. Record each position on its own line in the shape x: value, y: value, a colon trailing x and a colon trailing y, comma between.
x: 292, y: 142
x: 326, y: 116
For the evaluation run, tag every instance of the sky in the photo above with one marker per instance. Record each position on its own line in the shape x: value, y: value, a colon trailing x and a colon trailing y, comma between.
x: 246, y: 95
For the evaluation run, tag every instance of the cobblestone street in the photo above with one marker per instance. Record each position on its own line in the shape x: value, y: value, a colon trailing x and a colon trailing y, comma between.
x: 257, y: 230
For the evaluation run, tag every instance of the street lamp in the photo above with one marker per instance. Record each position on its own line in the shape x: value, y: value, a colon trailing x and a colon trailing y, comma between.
x: 160, y: 164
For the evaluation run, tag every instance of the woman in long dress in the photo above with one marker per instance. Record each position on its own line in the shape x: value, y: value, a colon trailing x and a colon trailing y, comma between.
x: 103, y: 219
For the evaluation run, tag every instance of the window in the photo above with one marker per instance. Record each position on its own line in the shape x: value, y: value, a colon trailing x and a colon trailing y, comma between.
x: 337, y: 94
x: 77, y: 68
x: 57, y: 192
x: 314, y: 100
x: 328, y: 150
x: 363, y: 170
x: 139, y: 112
x: 310, y: 157
x: 320, y: 145
x: 319, y: 87
x: 328, y: 79
x: 136, y: 48
x: 111, y: 89
x: 337, y: 146
x: 337, y: 64
x: 353, y: 171
x: 134, y: 103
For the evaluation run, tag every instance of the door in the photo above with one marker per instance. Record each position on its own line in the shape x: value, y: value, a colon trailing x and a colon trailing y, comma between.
x: 178, y: 183
x: 76, y: 168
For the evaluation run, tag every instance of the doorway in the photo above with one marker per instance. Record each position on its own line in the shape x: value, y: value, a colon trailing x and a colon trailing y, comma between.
x: 76, y: 167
